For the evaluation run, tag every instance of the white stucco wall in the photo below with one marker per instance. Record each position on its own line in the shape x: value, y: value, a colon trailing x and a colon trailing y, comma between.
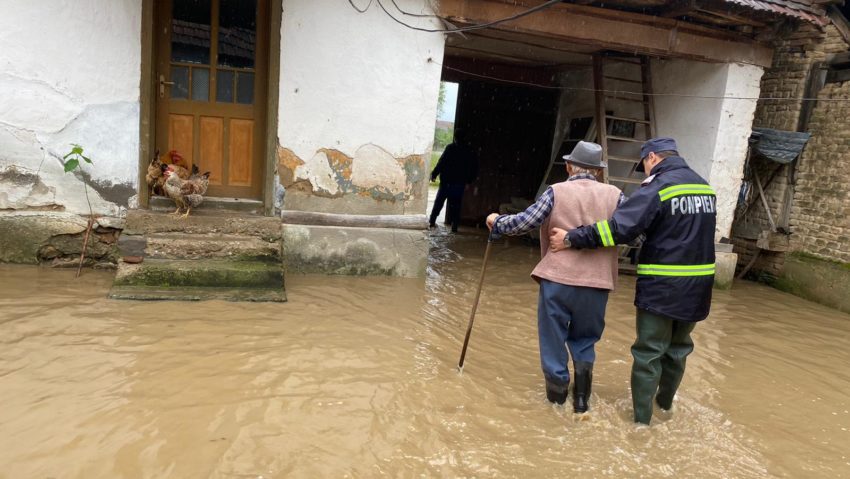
x: 730, y: 152
x: 693, y: 122
x: 711, y: 132
x: 358, y: 83
x: 69, y: 73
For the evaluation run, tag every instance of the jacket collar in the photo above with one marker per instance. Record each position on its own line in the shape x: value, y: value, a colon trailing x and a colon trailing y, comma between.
x: 582, y: 176
x: 669, y: 164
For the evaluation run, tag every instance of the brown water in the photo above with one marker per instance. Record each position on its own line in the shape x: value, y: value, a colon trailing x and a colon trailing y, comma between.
x: 355, y: 377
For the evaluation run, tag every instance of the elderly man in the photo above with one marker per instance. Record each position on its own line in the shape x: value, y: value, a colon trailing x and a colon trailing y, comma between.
x: 574, y: 285
x: 676, y: 209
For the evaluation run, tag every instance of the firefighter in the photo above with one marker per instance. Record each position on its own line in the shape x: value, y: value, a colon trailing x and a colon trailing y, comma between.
x: 675, y: 209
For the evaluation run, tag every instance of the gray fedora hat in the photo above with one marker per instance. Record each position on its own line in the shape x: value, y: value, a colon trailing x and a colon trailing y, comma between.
x: 586, y: 154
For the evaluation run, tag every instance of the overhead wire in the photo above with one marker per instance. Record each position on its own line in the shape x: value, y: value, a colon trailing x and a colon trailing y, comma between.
x: 627, y: 92
x: 480, y: 26
x: 409, y: 14
x: 359, y: 10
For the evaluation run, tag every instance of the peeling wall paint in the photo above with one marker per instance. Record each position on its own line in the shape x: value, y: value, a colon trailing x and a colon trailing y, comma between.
x: 356, y: 110
x: 372, y: 181
x: 69, y: 73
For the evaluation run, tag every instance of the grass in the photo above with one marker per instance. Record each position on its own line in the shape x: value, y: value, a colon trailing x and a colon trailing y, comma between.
x: 435, y: 156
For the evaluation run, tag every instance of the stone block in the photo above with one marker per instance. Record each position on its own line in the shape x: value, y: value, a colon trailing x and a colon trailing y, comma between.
x: 22, y: 234
x: 354, y: 251
x: 724, y: 273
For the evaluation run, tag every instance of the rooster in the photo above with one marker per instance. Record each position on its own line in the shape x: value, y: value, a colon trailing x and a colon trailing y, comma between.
x: 188, y: 193
x: 155, y: 177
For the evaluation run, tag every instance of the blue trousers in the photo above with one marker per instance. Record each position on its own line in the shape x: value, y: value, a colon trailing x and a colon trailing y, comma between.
x: 454, y: 194
x: 568, y: 317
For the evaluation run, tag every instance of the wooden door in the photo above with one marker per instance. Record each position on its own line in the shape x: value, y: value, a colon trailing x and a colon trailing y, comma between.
x: 212, y: 60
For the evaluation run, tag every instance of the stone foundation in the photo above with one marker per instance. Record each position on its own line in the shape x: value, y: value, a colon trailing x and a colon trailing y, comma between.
x: 354, y: 250
x: 56, y: 239
x: 824, y: 282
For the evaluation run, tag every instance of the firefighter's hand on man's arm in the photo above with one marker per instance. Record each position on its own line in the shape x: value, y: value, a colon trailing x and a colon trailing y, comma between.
x: 556, y: 239
x: 491, y: 219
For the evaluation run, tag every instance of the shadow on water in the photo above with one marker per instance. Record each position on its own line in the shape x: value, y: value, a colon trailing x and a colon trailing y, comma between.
x: 357, y: 377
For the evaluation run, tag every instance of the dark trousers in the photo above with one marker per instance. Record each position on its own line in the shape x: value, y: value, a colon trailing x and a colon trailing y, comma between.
x: 454, y: 194
x: 660, y: 351
x: 570, y: 319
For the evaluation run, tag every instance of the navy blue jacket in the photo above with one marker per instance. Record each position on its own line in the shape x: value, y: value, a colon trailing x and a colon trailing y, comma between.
x: 458, y: 165
x: 676, y: 209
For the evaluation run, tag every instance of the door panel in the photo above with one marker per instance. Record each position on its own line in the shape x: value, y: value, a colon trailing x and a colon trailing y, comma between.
x: 181, y: 135
x: 212, y: 148
x: 212, y: 67
x: 241, y: 146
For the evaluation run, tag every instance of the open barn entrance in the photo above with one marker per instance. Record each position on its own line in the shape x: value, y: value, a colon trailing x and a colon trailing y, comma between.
x: 525, y: 101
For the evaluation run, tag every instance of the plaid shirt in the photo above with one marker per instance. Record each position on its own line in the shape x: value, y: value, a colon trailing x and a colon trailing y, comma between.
x: 536, y: 214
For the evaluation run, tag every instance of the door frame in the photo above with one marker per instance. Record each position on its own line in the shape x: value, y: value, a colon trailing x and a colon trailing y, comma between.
x: 147, y: 99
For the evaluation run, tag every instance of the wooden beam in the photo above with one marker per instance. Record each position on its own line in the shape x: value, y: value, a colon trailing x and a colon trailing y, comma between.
x: 614, y: 30
x: 456, y: 50
x: 476, y: 69
x: 679, y: 9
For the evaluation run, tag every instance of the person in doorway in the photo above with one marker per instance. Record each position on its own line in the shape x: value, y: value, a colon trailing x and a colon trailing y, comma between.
x: 676, y: 209
x: 574, y: 285
x: 457, y: 167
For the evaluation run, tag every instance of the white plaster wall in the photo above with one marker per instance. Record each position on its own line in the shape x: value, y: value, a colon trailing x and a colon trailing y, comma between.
x: 693, y: 122
x: 69, y: 73
x: 349, y: 80
x: 730, y: 152
x: 711, y: 132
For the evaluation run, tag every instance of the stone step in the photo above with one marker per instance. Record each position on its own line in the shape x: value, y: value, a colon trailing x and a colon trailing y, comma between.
x: 139, y: 222
x: 161, y: 203
x: 211, y: 245
x: 162, y: 293
x: 205, y: 273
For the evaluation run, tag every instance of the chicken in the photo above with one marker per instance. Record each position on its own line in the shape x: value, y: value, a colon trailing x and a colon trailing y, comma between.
x: 155, y: 176
x: 188, y: 193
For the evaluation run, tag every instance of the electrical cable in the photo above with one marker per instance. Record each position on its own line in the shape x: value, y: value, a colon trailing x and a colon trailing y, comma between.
x: 409, y: 14
x: 626, y: 92
x: 480, y: 26
x: 359, y: 10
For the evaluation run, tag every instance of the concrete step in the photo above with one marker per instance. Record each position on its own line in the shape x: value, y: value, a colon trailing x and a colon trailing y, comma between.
x: 160, y: 293
x: 201, y: 272
x: 139, y: 222
x: 161, y: 203
x: 211, y: 246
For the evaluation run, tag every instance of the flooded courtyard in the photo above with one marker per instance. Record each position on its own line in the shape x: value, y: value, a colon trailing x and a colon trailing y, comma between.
x: 356, y: 377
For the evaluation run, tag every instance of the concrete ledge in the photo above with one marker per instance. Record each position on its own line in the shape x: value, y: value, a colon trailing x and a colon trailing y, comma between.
x: 354, y: 251
x: 724, y: 274
x: 817, y: 280
x: 22, y: 234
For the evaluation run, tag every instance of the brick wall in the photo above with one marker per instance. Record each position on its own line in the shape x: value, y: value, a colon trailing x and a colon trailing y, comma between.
x: 820, y: 217
x: 818, y: 226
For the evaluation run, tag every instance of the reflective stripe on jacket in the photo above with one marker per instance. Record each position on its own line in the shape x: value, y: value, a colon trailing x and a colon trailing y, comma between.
x: 676, y: 209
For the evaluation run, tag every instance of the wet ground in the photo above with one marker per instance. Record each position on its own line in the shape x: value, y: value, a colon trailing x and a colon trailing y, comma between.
x: 355, y: 377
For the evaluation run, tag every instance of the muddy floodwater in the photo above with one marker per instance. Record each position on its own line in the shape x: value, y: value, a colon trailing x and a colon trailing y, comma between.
x: 355, y: 377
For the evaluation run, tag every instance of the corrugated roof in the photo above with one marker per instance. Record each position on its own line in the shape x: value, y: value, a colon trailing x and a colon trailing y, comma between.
x: 804, y: 11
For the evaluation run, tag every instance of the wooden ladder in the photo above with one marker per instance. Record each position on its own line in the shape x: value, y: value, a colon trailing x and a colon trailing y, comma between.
x: 624, y: 120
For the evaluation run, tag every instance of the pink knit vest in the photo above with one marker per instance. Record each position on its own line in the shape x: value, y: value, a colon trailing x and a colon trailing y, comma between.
x: 577, y: 203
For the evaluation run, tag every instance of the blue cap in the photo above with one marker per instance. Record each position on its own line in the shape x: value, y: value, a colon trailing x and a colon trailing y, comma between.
x: 655, y: 145
x: 658, y: 144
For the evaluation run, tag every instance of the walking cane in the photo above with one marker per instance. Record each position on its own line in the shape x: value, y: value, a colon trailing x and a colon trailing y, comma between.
x: 490, y: 239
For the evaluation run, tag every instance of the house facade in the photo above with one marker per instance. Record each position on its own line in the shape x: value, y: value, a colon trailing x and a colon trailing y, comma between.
x: 321, y: 112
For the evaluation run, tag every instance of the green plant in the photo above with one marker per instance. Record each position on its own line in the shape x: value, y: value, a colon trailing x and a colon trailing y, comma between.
x: 73, y: 162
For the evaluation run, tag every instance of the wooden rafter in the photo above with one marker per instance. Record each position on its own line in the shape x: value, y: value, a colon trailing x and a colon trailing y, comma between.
x: 614, y: 30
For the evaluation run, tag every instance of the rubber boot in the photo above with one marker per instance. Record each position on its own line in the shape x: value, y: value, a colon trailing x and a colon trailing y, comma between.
x: 557, y: 393
x: 583, y: 381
